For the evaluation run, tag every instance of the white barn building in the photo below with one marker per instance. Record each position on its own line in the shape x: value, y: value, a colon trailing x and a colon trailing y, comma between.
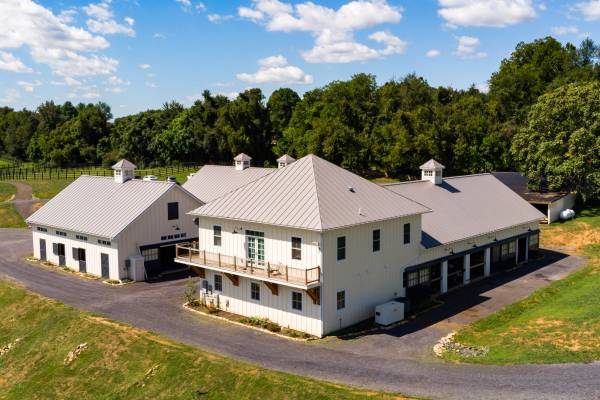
x: 117, y: 227
x: 316, y: 248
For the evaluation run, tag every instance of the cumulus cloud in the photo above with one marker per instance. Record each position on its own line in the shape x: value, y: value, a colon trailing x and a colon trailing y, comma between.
x: 67, y: 16
x: 102, y: 21
x: 29, y: 86
x: 433, y: 53
x: 63, y: 48
x: 8, y: 62
x: 494, y: 13
x: 145, y: 66
x: 332, y: 29
x: 589, y: 9
x: 565, y: 30
x: 218, y: 18
x: 467, y: 47
x: 116, y: 84
x: 275, y: 69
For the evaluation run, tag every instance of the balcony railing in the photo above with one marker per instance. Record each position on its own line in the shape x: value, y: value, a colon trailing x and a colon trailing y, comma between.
x: 189, y: 253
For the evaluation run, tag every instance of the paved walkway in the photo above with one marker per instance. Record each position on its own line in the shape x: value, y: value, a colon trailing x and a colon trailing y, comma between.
x: 24, y: 202
x: 398, y: 360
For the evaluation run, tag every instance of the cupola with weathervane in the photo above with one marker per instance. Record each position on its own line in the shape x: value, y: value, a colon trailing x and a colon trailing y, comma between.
x: 432, y: 171
x: 285, y: 160
x: 242, y: 161
x: 124, y: 171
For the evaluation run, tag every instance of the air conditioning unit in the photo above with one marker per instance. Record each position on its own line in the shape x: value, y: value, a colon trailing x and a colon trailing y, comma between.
x: 389, y: 313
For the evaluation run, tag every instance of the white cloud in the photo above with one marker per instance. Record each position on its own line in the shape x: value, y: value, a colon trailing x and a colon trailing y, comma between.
x: 467, y: 47
x: 565, y: 30
x: 151, y: 85
x: 218, y: 18
x: 145, y: 66
x: 159, y: 36
x: 9, y: 62
x: 201, y: 7
x: 332, y: 29
x: 29, y: 86
x: 229, y: 95
x: 433, y: 53
x: 51, y: 41
x: 116, y: 81
x: 483, y: 87
x: 495, y: 13
x: 67, y: 16
x: 275, y: 69
x: 590, y: 9
x: 11, y: 96
x: 101, y: 20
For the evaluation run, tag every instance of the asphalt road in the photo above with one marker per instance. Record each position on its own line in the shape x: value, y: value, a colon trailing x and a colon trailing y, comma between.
x: 398, y: 360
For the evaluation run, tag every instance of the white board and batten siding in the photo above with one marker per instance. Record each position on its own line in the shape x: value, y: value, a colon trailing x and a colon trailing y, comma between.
x: 556, y: 207
x: 154, y: 223
x: 278, y: 250
x: 93, y: 250
x: 368, y: 278
x: 478, y: 241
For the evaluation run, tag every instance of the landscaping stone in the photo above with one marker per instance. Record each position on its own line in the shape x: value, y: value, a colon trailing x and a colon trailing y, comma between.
x: 9, y: 347
x: 75, y: 353
x: 447, y: 343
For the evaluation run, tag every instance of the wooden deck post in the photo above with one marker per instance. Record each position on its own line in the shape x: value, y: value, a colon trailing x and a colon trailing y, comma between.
x: 305, y: 275
x: 286, y: 273
x: 190, y: 254
x: 219, y: 260
x: 234, y: 263
x: 268, y: 269
x: 204, y: 254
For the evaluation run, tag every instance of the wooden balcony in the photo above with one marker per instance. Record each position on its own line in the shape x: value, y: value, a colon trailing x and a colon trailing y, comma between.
x: 190, y: 254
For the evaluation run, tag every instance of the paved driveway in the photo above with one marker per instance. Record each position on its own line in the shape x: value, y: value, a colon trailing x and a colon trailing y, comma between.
x: 395, y: 360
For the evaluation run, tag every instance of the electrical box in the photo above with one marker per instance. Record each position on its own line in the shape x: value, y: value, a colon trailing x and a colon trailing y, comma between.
x: 389, y: 313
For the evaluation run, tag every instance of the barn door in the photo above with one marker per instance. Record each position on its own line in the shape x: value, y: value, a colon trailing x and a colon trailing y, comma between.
x: 43, y: 249
x: 104, y: 265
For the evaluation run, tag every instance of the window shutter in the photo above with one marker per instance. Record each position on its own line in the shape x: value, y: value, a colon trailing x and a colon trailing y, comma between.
x: 75, y: 253
x: 54, y: 248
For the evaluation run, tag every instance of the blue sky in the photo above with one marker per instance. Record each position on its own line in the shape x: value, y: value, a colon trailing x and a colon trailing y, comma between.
x: 136, y: 55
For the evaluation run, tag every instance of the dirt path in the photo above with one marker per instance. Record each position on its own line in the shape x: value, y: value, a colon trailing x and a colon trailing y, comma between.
x: 24, y: 202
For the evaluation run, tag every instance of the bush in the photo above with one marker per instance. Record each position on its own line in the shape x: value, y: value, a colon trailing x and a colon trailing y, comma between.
x: 261, y: 323
x: 190, y: 292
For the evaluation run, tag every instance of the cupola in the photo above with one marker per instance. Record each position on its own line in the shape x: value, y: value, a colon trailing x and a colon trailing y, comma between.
x: 285, y: 160
x: 242, y: 161
x: 124, y: 171
x: 432, y: 171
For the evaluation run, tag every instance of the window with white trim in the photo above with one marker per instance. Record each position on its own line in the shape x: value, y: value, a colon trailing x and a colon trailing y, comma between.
x: 218, y: 283
x: 255, y: 291
x: 296, y: 248
x: 297, y: 301
x: 217, y: 235
x: 341, y: 299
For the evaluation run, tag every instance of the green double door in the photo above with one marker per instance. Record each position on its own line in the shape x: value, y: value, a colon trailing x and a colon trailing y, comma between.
x: 255, y: 251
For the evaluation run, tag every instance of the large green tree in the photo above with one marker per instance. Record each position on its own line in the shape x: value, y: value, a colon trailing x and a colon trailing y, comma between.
x: 561, y: 140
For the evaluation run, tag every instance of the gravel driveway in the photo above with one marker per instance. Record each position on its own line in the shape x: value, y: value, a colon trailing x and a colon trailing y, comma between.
x: 397, y: 360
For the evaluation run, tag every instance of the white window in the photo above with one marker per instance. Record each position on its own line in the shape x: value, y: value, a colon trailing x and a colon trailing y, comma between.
x: 428, y: 173
x: 341, y: 299
x: 297, y: 301
x: 341, y: 248
x: 219, y: 283
x: 296, y: 248
x: 255, y: 291
x: 217, y: 238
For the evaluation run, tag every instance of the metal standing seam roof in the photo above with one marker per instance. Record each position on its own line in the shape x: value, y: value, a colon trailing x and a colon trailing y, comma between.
x: 465, y: 207
x: 432, y: 164
x: 99, y: 206
x: 124, y: 164
x: 519, y: 184
x: 286, y: 158
x: 213, y: 181
x: 311, y: 194
x: 242, y: 157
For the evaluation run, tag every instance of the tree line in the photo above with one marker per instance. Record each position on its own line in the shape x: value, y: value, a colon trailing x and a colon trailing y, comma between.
x: 541, y: 115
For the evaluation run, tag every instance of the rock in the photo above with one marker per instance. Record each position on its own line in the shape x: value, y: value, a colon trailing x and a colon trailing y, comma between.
x: 75, y: 353
x: 447, y: 343
x: 9, y: 347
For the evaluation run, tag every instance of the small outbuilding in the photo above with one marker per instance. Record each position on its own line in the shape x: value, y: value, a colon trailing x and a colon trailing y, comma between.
x: 549, y: 203
x: 116, y: 228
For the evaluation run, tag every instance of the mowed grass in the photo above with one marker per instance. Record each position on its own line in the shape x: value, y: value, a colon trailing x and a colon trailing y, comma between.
x: 122, y: 362
x: 557, y: 324
x: 9, y: 217
x: 6, y: 191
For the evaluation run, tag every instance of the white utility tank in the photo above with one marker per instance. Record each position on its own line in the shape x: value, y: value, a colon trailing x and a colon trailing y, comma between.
x: 567, y: 214
x: 389, y: 313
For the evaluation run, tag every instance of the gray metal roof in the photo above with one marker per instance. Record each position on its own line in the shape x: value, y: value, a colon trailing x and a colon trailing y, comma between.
x: 519, y: 184
x: 466, y: 206
x: 124, y: 164
x: 286, y: 158
x: 242, y: 157
x: 432, y: 164
x: 213, y: 181
x: 99, y: 206
x: 311, y: 194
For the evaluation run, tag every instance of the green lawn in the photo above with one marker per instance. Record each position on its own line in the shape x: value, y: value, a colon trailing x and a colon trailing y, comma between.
x: 557, y: 324
x: 6, y: 191
x: 47, y: 188
x: 10, y: 218
x: 126, y: 363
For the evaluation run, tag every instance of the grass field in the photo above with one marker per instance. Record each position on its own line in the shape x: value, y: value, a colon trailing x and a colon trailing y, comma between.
x: 6, y: 191
x: 9, y: 218
x: 557, y: 324
x: 121, y: 362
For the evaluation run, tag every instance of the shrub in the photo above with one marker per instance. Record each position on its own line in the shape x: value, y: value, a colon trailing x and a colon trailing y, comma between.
x: 190, y: 292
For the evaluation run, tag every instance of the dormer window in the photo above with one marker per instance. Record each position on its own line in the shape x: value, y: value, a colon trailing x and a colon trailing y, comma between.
x: 432, y: 171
